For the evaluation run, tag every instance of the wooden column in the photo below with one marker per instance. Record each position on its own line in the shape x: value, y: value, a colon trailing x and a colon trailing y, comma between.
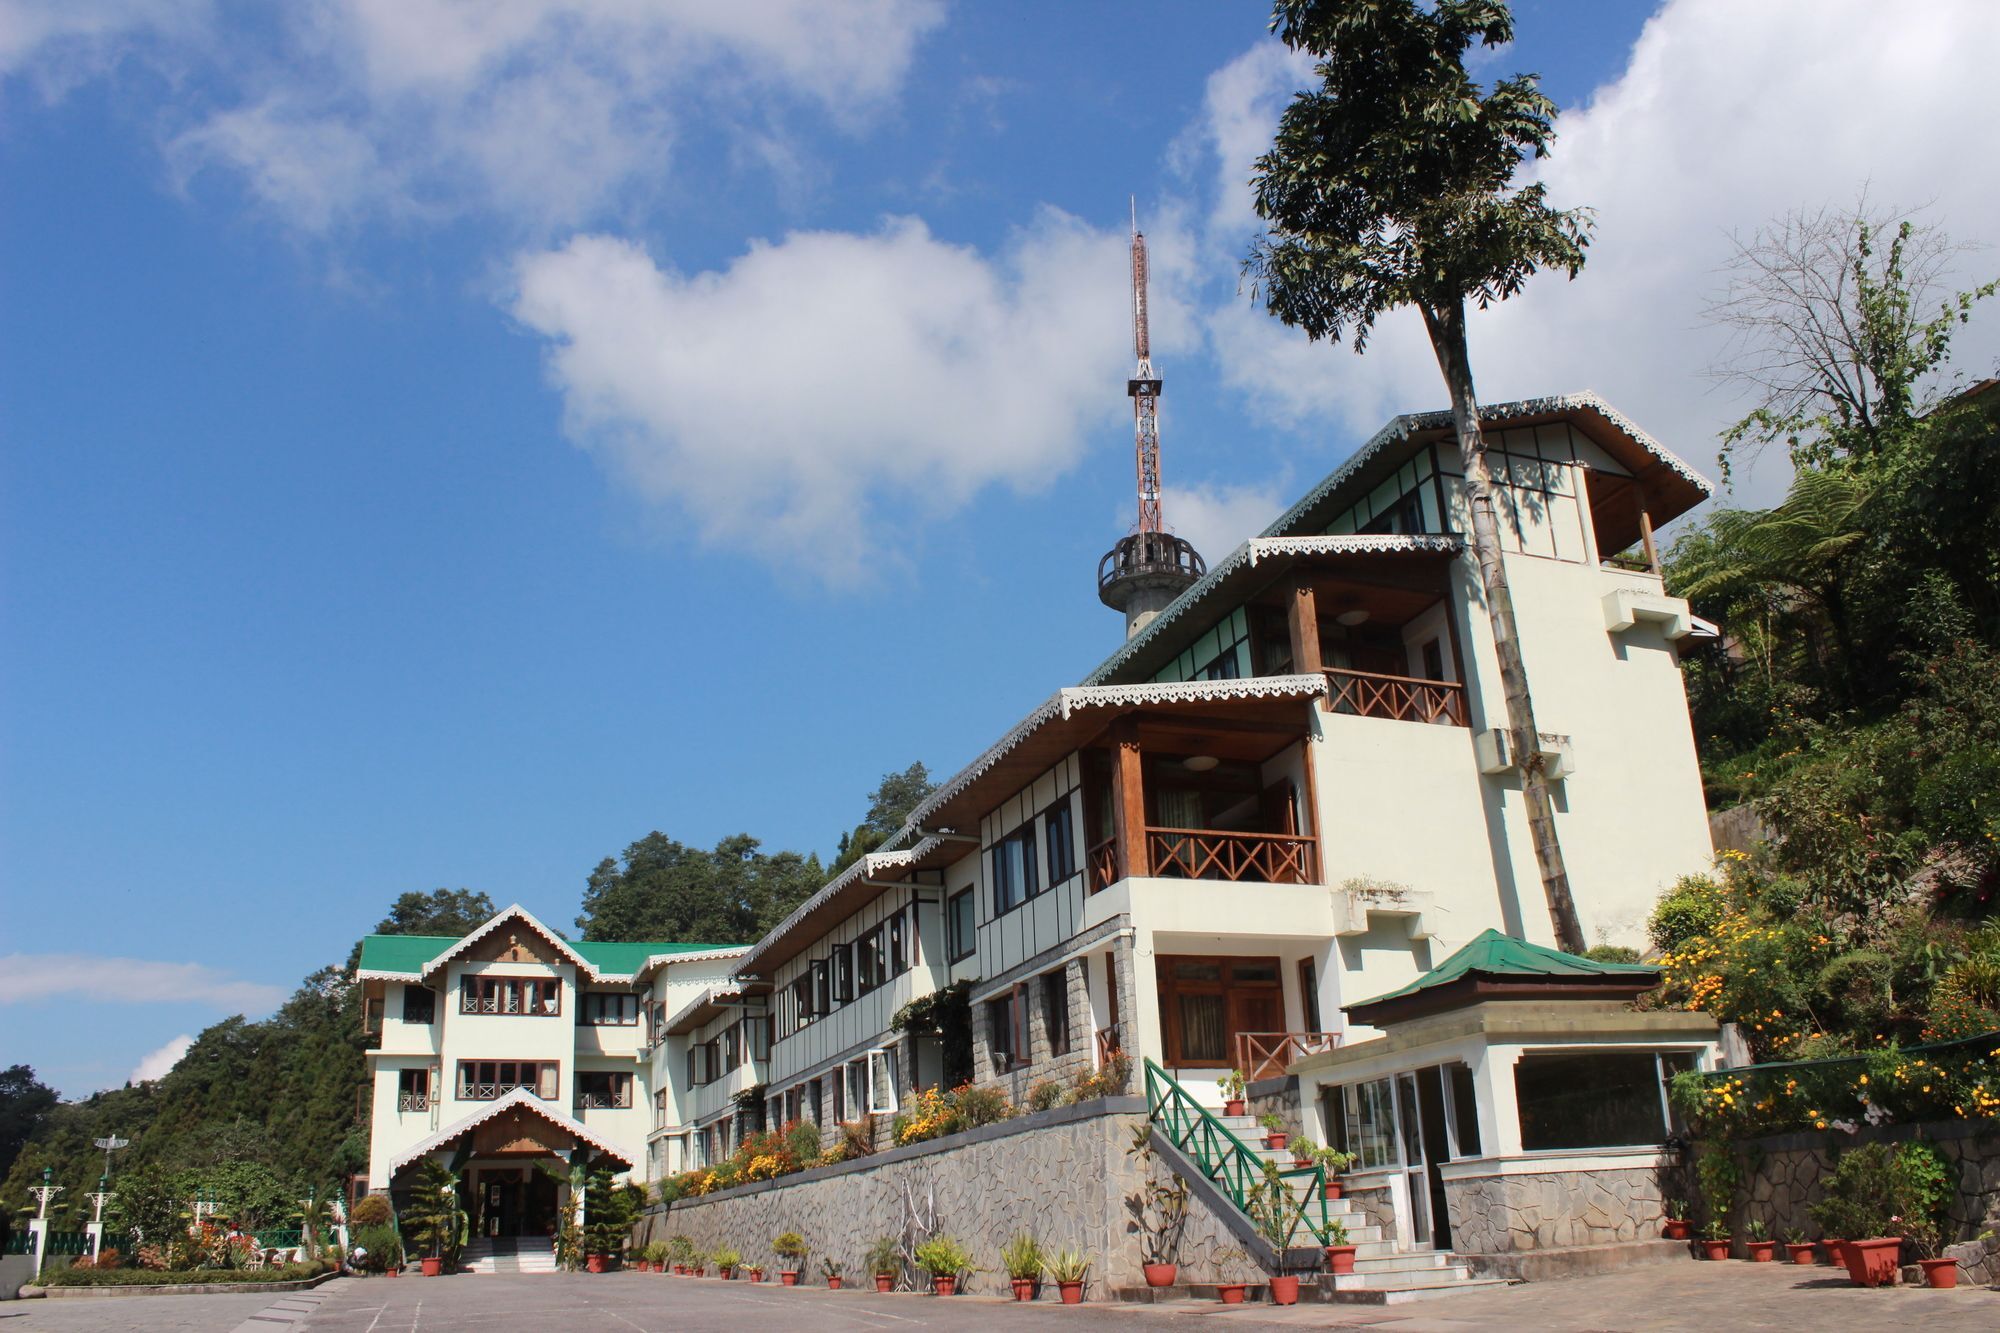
x: 1646, y: 530
x: 1128, y: 800
x: 1302, y: 620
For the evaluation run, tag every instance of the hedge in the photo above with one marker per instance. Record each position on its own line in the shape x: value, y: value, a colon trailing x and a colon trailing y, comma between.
x: 153, y: 1277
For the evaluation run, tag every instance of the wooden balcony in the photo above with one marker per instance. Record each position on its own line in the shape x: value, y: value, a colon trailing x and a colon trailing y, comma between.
x: 1270, y: 1054
x: 1181, y: 853
x: 1398, y: 698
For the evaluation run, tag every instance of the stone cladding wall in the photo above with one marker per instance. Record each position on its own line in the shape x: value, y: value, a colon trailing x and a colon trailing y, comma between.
x: 1553, y: 1210
x: 1784, y: 1176
x: 1063, y: 1175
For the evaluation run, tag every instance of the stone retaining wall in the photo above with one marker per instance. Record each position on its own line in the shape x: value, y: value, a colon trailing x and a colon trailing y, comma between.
x: 1062, y: 1175
x: 1783, y: 1176
x: 1553, y: 1210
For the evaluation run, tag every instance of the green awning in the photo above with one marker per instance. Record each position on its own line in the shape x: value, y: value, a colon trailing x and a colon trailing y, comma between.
x: 1498, y: 958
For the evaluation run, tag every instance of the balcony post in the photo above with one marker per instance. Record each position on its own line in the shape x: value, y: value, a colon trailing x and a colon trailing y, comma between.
x: 1128, y: 800
x: 1302, y: 621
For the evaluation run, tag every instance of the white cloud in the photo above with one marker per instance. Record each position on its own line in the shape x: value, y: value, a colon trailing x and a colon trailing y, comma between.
x: 1240, y: 108
x: 1217, y: 519
x: 822, y: 389
x: 69, y: 39
x: 1726, y: 116
x: 159, y: 1063
x: 27, y: 977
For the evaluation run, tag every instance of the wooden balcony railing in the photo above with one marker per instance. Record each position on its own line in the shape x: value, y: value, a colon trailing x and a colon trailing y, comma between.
x: 1101, y: 862
x: 1269, y: 1054
x: 1269, y: 858
x: 1107, y: 1046
x: 1398, y: 698
x: 413, y: 1101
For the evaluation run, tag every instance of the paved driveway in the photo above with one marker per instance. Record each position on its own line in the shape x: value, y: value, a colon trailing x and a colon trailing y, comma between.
x: 1692, y: 1296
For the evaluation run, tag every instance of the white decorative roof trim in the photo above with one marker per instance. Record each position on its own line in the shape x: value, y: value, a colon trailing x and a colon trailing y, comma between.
x: 518, y: 1097
x: 516, y: 912
x: 860, y: 870
x: 656, y: 961
x: 709, y: 995
x: 377, y: 974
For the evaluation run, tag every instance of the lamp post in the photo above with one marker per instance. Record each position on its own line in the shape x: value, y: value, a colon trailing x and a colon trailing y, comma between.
x: 98, y: 1198
x: 43, y: 1193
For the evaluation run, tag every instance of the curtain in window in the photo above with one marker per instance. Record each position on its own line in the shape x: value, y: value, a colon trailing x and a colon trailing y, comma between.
x: 1204, y: 1023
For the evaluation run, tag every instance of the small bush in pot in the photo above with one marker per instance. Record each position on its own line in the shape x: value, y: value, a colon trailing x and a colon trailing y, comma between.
x: 1759, y: 1243
x: 791, y: 1249
x: 944, y: 1259
x: 1070, y: 1268
x: 1159, y: 1211
x: 725, y: 1263
x: 1675, y: 1226
x: 1798, y: 1249
x: 830, y: 1269
x: 1230, y: 1283
x: 1339, y: 1249
x: 885, y: 1261
x: 1024, y: 1260
x: 1232, y: 1088
x: 1275, y: 1136
x: 1715, y: 1240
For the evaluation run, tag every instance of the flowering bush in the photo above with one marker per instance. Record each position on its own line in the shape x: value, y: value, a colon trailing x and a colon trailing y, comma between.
x: 932, y: 1114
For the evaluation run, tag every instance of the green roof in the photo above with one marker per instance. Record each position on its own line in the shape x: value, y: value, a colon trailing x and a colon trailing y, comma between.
x: 1502, y: 957
x: 407, y: 954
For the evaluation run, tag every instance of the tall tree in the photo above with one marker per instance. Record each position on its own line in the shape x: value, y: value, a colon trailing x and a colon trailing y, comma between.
x: 665, y: 890
x: 24, y: 1101
x: 888, y: 806
x: 1391, y: 185
x: 439, y: 912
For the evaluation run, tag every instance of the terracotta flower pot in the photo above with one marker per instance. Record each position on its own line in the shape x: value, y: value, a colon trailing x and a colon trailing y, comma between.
x: 1832, y: 1251
x: 1072, y: 1292
x: 727, y: 1271
x: 885, y: 1282
x: 1276, y: 1139
x: 1800, y: 1254
x: 1334, y: 1187
x: 398, y: 1272
x: 1300, y: 1160
x: 1874, y: 1261
x: 593, y: 1263
x: 756, y: 1275
x: 1340, y: 1258
x: 1024, y: 1288
x: 699, y: 1270
x: 1675, y: 1228
x: 944, y: 1284
x: 1231, y: 1292
x: 789, y: 1276
x: 833, y: 1282
x: 1715, y: 1249
x: 680, y: 1270
x: 1761, y: 1251
x: 1940, y: 1273
x: 432, y: 1267
x: 1233, y: 1106
x: 1161, y: 1275
x: 1285, y: 1290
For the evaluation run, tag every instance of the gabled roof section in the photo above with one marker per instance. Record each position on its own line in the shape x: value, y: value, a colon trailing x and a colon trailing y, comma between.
x: 398, y: 957
x: 417, y: 957
x: 513, y: 912
x: 1507, y: 966
x: 518, y: 1097
x: 688, y: 953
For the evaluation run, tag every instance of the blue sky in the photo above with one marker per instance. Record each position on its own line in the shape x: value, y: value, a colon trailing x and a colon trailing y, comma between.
x: 438, y: 454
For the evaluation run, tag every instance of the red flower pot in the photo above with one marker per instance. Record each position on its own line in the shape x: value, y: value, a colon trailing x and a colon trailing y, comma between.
x: 432, y: 1267
x: 789, y: 1276
x: 393, y: 1272
x: 1940, y: 1273
x: 1800, y: 1254
x: 1715, y: 1249
x: 1675, y: 1228
x: 1832, y: 1252
x: 593, y: 1263
x: 833, y: 1282
x: 1024, y: 1288
x: 699, y: 1270
x: 1340, y: 1258
x: 944, y: 1284
x: 680, y: 1270
x: 726, y: 1270
x: 1161, y: 1275
x: 1334, y: 1187
x: 756, y: 1275
x: 1874, y: 1261
x: 1285, y: 1290
x: 1231, y: 1292
x: 885, y: 1282
x: 1072, y: 1292
x: 1276, y: 1139
x: 1761, y: 1251
x: 1233, y: 1106
x: 1300, y: 1160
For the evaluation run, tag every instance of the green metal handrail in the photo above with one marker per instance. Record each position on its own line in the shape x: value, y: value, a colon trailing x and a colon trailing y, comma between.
x: 1223, y: 1157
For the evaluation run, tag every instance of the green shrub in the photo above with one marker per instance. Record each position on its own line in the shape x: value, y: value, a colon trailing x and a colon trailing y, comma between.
x: 1046, y: 1095
x: 385, y: 1248
x: 145, y: 1277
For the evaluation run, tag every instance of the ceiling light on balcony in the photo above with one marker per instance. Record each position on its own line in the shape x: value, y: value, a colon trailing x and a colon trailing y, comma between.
x: 1199, y: 763
x: 1352, y: 618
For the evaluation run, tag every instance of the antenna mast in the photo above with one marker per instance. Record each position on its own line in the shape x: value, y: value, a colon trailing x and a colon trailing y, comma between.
x: 1144, y: 387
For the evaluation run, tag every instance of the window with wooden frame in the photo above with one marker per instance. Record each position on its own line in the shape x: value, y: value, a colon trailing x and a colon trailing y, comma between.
x: 490, y: 1080
x: 1206, y: 1002
x: 1014, y: 866
x: 816, y: 1100
x: 522, y: 996
x: 1003, y: 1035
x: 898, y: 934
x: 857, y: 1087
x: 600, y: 1009
x: 869, y: 961
x: 821, y: 990
x: 598, y: 1090
x: 1054, y: 988
x: 839, y: 1077
x: 419, y: 1005
x: 413, y: 1090
x: 1059, y: 840
x: 843, y: 973
x: 1309, y: 993
x: 961, y: 931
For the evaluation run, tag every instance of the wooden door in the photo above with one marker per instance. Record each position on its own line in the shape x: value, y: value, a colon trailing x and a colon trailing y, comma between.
x: 1206, y: 1002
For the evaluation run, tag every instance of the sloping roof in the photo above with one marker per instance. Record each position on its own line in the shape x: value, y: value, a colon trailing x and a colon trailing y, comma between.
x: 518, y: 1097
x: 1494, y: 957
x: 398, y: 957
x: 391, y: 956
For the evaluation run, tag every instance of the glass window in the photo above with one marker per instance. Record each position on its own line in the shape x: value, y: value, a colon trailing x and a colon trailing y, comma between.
x: 868, y: 962
x: 1204, y: 1029
x: 1589, y: 1099
x: 1061, y: 839
x: 820, y: 989
x: 1000, y: 1025
x: 1369, y: 1124
x: 1055, y: 1010
x: 1309, y: 993
x: 857, y: 1088
x: 1014, y: 866
x: 959, y: 931
x: 1464, y: 1110
x: 843, y: 973
x: 419, y: 1004
x: 882, y: 1081
x: 899, y: 944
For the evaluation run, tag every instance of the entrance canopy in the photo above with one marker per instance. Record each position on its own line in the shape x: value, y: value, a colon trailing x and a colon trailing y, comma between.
x: 518, y: 1125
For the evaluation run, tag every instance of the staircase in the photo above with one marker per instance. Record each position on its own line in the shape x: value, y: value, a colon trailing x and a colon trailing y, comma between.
x: 1229, y: 1151
x: 507, y: 1254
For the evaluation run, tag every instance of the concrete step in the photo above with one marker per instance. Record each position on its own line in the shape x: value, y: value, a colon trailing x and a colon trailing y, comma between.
x: 1383, y: 1277
x: 1414, y: 1291
x: 1405, y: 1262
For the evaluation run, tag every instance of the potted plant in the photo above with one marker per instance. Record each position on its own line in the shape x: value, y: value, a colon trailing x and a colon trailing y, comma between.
x: 789, y: 1245
x: 1867, y: 1196
x: 1229, y: 1288
x: 944, y: 1259
x: 435, y: 1220
x: 1275, y: 1136
x: 1335, y: 1161
x: 681, y: 1250
x: 1760, y: 1244
x: 1159, y: 1212
x: 1339, y: 1250
x: 1231, y: 1087
x: 1070, y: 1267
x: 831, y: 1269
x: 725, y: 1263
x: 756, y: 1272
x: 1023, y: 1259
x: 1715, y: 1240
x: 885, y: 1260
x: 1676, y: 1225
x: 1797, y: 1248
x: 1304, y: 1150
x: 1276, y: 1216
x: 1939, y: 1272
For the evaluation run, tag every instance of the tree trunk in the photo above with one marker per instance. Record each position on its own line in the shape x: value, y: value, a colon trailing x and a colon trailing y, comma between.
x: 1447, y: 332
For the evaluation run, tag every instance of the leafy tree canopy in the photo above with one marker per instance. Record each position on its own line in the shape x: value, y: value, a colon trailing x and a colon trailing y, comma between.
x: 889, y: 805
x: 24, y: 1101
x: 661, y: 889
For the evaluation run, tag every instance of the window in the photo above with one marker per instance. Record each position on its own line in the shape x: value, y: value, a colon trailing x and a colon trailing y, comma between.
x: 597, y: 1009
x: 757, y: 1036
x: 1014, y: 869
x: 869, y: 961
x: 899, y: 944
x: 843, y: 973
x: 882, y: 1068
x: 1464, y: 1110
x: 1000, y: 1030
x: 413, y: 1090
x: 704, y: 1062
x: 1363, y: 1119
x: 595, y: 1090
x: 839, y: 1096
x: 419, y: 1004
x: 1591, y: 1099
x: 857, y: 1088
x: 489, y: 1080
x: 816, y: 1102
x: 1060, y: 838
x: 821, y: 992
x: 660, y: 1109
x: 959, y: 927
x: 510, y: 995
x: 1309, y: 992
x: 1055, y: 1009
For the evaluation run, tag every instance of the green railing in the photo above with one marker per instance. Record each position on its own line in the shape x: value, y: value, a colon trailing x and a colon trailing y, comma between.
x: 67, y: 1242
x: 19, y: 1242
x: 279, y: 1240
x: 1226, y: 1159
